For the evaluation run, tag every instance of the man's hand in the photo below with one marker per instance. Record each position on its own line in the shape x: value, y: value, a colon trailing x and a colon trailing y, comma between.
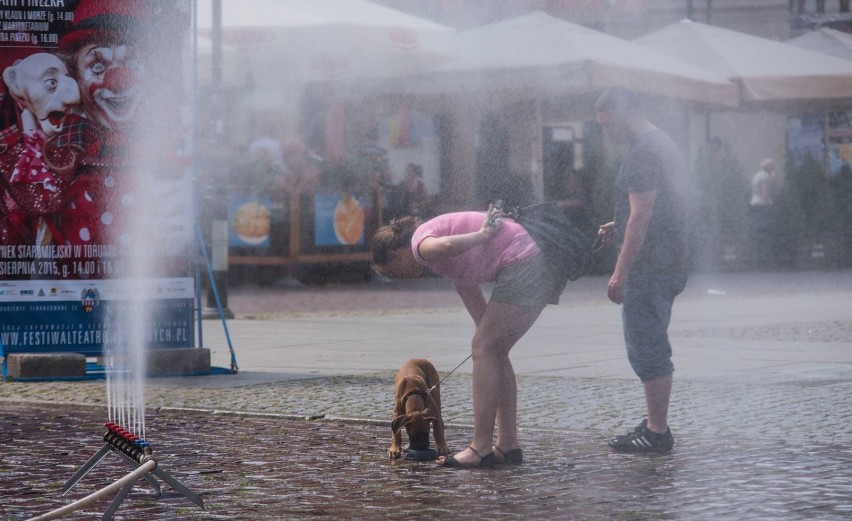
x: 615, y: 288
x: 606, y: 233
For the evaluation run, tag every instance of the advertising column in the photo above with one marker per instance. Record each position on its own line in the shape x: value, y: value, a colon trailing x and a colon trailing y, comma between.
x: 95, y: 172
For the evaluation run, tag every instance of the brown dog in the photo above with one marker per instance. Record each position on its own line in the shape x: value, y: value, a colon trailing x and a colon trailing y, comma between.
x: 416, y: 408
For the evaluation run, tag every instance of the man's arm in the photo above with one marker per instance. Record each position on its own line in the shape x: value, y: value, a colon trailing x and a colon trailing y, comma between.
x: 641, y: 211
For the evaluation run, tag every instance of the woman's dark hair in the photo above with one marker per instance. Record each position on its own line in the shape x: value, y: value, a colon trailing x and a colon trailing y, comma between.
x: 391, y: 236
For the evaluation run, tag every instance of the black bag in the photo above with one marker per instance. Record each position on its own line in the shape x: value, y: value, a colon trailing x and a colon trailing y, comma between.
x: 565, y: 247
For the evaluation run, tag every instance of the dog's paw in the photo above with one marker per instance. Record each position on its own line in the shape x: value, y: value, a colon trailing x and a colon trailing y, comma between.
x: 443, y: 451
x: 394, y: 453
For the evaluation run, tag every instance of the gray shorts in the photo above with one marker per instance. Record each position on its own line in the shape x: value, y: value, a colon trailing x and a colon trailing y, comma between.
x: 530, y: 284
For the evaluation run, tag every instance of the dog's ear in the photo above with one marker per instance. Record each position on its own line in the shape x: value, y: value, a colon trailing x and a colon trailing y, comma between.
x: 399, y: 422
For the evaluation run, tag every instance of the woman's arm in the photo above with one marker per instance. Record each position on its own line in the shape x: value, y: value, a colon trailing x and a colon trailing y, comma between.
x: 433, y: 249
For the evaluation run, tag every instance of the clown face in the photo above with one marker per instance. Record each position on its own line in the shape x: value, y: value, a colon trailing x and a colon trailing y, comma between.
x: 41, y: 85
x: 111, y: 88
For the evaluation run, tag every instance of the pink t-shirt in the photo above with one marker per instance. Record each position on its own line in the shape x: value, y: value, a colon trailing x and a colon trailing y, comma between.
x: 482, y: 262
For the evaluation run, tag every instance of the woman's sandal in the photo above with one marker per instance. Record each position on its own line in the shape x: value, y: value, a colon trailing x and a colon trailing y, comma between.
x: 486, y: 461
x: 512, y: 457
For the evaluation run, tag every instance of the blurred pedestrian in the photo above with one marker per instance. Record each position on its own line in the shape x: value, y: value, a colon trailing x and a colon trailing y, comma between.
x: 301, y: 173
x: 761, y: 184
x: 761, y: 214
x: 417, y: 200
x: 470, y: 249
x: 266, y: 145
x: 651, y: 269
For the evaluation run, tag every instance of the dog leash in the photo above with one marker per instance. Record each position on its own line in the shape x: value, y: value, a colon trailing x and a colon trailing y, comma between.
x: 597, y: 245
x: 429, y: 391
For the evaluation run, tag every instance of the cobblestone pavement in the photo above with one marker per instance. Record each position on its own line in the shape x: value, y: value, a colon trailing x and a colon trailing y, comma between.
x: 798, y: 411
x: 763, y: 447
x: 265, y: 467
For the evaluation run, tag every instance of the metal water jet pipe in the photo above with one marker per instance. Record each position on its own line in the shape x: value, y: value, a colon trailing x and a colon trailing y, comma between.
x: 135, y: 451
x: 126, y: 442
x: 148, y: 465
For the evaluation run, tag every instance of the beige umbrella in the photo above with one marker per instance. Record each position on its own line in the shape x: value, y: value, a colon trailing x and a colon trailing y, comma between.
x: 294, y: 41
x: 539, y: 54
x: 766, y: 70
x: 536, y: 57
x: 827, y: 41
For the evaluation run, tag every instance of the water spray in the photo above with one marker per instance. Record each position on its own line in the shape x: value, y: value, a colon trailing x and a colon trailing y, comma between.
x: 137, y: 453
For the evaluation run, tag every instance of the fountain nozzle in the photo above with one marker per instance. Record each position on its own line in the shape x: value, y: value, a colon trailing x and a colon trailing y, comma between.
x: 126, y: 443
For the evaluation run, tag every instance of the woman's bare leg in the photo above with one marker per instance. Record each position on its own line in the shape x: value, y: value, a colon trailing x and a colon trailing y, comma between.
x: 494, y: 387
x: 507, y: 410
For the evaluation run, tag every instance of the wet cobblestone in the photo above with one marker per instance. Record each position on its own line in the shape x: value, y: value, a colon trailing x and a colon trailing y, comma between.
x: 750, y: 445
x: 263, y: 467
x: 796, y: 410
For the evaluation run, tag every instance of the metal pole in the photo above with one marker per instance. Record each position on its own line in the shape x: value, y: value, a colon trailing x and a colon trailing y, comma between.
x: 218, y: 199
x: 216, y: 36
x: 197, y: 192
x: 218, y: 272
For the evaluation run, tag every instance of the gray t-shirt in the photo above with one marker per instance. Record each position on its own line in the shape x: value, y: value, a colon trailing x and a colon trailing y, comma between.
x: 654, y: 163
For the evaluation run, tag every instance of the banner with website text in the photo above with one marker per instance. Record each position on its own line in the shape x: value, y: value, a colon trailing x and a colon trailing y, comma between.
x: 96, y: 196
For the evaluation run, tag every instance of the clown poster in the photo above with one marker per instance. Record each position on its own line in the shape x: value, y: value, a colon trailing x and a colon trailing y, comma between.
x: 95, y: 171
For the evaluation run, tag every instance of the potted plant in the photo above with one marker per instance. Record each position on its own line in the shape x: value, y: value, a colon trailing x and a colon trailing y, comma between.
x: 805, y: 217
x: 717, y: 207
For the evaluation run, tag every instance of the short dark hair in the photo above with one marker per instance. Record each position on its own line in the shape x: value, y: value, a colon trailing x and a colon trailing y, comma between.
x: 618, y: 100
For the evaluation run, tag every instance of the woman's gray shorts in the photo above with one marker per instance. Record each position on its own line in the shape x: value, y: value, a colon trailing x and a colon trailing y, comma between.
x: 530, y: 284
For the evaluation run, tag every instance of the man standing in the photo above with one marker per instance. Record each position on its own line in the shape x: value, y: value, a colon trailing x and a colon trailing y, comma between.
x: 652, y: 263
x: 760, y: 212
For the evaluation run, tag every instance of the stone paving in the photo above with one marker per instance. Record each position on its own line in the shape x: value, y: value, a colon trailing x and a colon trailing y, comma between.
x: 772, y: 445
x: 776, y: 409
x: 265, y: 467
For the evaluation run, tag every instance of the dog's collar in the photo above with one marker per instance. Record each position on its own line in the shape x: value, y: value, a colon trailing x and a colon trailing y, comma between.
x: 424, y: 394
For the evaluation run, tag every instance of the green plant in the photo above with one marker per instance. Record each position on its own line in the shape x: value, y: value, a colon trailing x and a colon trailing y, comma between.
x: 717, y: 202
x: 807, y: 208
x: 841, y: 191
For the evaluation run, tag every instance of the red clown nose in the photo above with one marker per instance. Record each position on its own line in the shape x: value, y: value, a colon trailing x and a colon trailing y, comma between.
x: 119, y: 79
